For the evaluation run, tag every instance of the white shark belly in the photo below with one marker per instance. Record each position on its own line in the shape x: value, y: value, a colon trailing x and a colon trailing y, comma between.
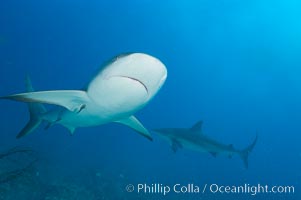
x: 193, y: 146
x: 81, y: 119
x: 206, y: 147
x: 92, y: 116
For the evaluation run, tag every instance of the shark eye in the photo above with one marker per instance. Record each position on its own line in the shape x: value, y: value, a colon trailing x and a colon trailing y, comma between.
x: 120, y: 56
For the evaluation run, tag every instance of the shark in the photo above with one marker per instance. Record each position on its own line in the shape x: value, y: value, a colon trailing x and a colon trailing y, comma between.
x: 193, y: 138
x: 123, y: 86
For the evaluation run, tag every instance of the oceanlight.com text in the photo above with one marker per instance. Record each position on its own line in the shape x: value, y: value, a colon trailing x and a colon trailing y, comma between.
x: 192, y: 188
x: 251, y: 189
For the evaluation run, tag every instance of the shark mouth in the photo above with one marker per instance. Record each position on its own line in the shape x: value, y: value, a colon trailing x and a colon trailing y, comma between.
x: 136, y: 80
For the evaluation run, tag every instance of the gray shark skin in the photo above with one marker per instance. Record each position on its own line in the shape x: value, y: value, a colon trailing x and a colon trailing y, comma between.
x: 194, y: 139
x: 124, y: 86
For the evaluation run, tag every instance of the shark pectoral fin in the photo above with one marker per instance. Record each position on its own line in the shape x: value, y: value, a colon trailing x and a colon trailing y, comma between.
x: 134, y: 123
x: 73, y: 100
x: 174, y: 148
x: 175, y: 145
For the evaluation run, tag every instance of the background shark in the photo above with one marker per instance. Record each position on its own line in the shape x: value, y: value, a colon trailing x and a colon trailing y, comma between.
x: 125, y: 85
x: 193, y: 138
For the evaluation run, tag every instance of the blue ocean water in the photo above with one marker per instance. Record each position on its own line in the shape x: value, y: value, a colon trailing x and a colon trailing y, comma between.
x: 233, y: 64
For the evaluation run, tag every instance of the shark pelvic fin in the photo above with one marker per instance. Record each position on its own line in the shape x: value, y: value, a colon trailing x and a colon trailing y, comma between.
x: 197, y: 127
x: 71, y: 129
x: 214, y: 154
x: 134, y: 123
x: 48, y: 125
x: 73, y: 100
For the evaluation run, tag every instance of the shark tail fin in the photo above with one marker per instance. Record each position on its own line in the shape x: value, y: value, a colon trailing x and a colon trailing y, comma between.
x: 35, y: 111
x: 244, y: 154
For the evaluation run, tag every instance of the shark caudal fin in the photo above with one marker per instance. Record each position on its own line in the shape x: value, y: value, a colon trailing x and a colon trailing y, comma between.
x: 35, y: 112
x: 244, y: 154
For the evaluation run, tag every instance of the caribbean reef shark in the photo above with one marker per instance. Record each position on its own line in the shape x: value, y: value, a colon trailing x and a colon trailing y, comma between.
x: 193, y: 138
x: 123, y: 86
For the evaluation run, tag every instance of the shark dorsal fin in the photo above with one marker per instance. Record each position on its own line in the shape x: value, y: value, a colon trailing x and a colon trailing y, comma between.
x: 197, y: 127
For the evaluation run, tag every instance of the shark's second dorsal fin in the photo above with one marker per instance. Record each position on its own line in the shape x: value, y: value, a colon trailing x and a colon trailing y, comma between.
x: 197, y: 127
